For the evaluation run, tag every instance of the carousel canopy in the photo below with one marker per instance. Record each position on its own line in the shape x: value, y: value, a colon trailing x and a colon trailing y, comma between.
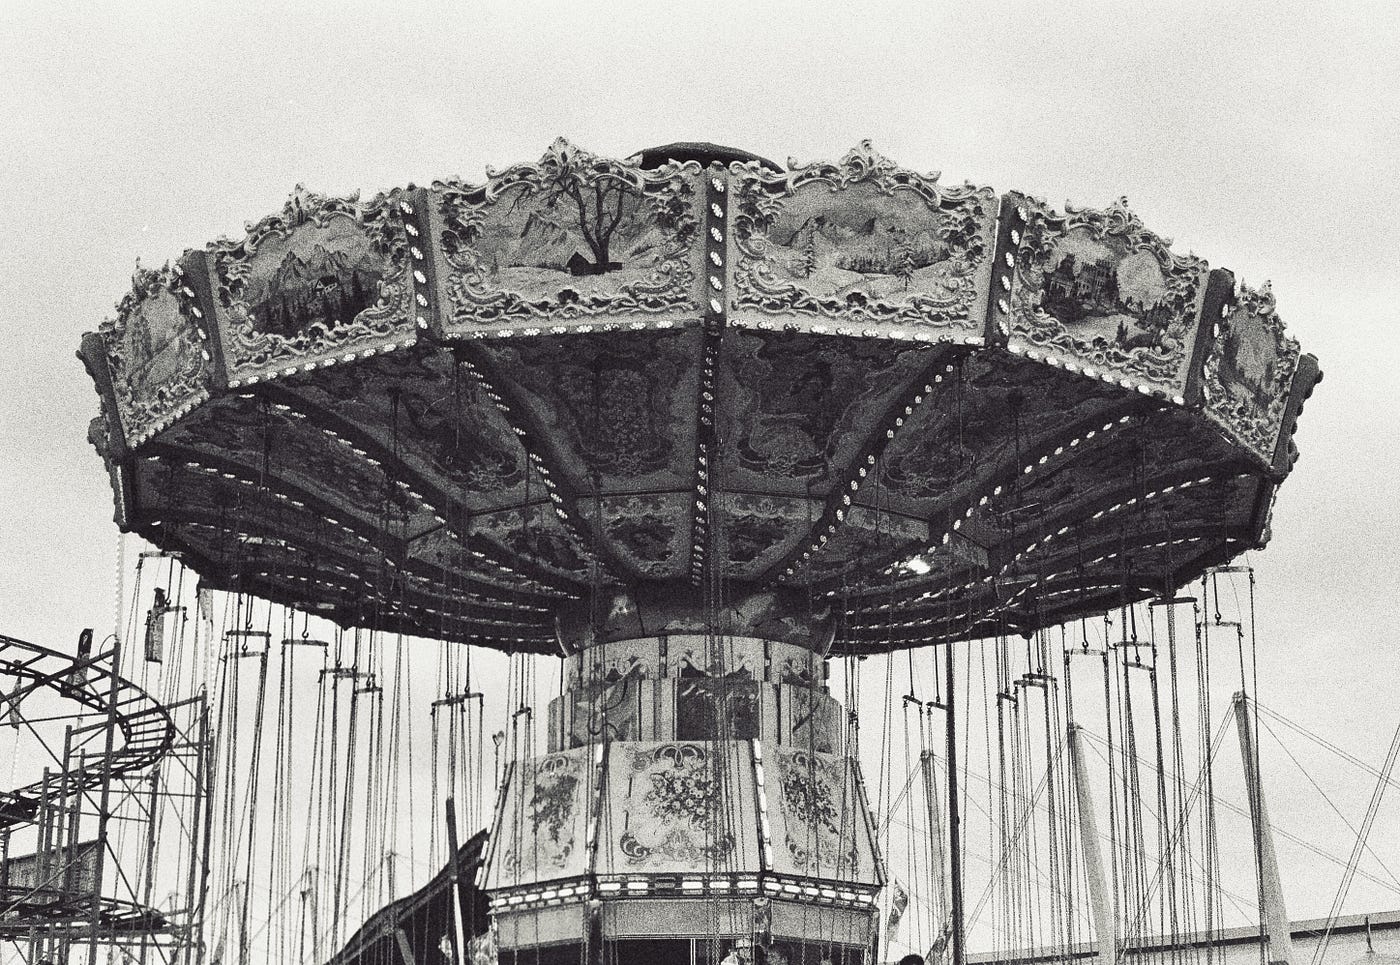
x: 934, y: 410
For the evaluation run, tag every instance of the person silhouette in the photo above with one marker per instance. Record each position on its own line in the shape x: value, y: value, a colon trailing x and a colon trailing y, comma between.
x: 912, y: 959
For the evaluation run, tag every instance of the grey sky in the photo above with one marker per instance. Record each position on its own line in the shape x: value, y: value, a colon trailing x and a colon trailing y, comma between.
x: 1264, y: 137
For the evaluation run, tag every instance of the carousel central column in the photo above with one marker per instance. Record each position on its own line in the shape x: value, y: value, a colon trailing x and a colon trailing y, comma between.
x: 696, y: 802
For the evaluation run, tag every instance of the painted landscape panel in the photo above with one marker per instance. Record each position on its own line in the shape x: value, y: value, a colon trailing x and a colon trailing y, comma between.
x: 567, y: 239
x: 309, y: 290
x: 1109, y: 295
x: 325, y: 276
x: 1100, y: 291
x: 1248, y: 372
x: 155, y: 356
x: 865, y: 250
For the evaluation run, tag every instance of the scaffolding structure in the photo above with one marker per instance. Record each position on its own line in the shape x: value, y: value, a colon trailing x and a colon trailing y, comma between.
x: 107, y: 847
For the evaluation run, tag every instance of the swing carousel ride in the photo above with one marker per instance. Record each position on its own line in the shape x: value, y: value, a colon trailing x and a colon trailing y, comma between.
x: 674, y: 444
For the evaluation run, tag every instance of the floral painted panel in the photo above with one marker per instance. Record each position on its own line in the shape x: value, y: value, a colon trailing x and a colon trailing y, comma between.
x: 542, y: 830
x: 1101, y: 291
x: 680, y: 806
x: 862, y: 241
x: 1249, y: 370
x: 820, y: 828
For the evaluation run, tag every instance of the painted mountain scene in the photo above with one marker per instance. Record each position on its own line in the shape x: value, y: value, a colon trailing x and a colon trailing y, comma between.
x: 571, y: 247
x: 324, y: 275
x: 836, y: 251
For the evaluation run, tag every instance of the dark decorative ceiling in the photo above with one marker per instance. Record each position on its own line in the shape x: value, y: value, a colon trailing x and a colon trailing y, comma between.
x: 449, y: 410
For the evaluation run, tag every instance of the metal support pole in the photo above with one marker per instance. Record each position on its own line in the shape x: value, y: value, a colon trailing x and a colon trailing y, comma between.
x: 204, y: 791
x: 149, y: 887
x: 62, y: 824
x: 312, y: 892
x: 1274, y: 918
x: 74, y: 811
x: 194, y: 926
x: 1105, y: 925
x: 459, y: 941
x: 104, y: 801
x: 37, y: 938
x: 954, y: 823
x: 936, y: 842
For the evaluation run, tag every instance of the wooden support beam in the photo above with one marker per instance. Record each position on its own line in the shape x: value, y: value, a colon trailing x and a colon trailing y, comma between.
x: 1105, y: 922
x: 1273, y: 916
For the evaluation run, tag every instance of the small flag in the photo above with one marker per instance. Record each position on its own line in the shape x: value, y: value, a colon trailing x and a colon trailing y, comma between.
x: 204, y: 597
x: 155, y: 635
x: 10, y: 705
x: 155, y: 626
x: 899, y: 901
x: 939, y: 946
x: 78, y: 678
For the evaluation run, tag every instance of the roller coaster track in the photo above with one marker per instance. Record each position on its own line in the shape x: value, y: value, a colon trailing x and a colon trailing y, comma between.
x: 67, y: 915
x: 147, y: 731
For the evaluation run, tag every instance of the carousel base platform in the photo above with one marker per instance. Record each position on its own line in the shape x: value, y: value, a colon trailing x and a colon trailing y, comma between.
x: 689, y: 931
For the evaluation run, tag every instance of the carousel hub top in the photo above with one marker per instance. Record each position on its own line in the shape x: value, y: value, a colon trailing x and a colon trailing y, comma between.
x: 473, y: 411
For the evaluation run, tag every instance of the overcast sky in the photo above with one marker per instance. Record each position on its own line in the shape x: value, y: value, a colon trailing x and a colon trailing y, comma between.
x: 1263, y: 137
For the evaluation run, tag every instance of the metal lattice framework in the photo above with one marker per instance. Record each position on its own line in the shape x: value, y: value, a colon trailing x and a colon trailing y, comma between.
x: 62, y: 884
x: 147, y: 732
